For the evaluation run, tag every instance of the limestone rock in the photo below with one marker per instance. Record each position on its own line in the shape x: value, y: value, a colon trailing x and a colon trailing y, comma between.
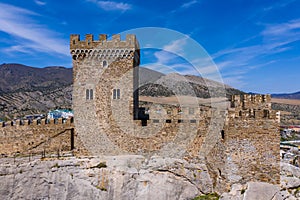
x: 289, y: 182
x: 236, y: 193
x: 289, y: 170
x: 261, y: 191
x: 111, y: 177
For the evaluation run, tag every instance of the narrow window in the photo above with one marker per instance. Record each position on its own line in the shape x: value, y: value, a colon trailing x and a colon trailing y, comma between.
x: 104, y: 63
x: 116, y: 93
x: 155, y: 121
x: 223, y: 134
x: 87, y: 94
x: 168, y: 121
x: 89, y: 42
x: 193, y: 121
x: 266, y: 114
x: 74, y: 42
x: 180, y: 121
x: 91, y: 94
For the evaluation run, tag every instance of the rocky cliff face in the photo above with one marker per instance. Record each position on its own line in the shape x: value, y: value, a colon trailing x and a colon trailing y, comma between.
x: 119, y: 177
x: 129, y: 177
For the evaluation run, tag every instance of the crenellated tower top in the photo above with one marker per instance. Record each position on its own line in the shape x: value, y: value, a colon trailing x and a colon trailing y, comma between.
x: 115, y: 42
x: 103, y: 48
x: 251, y: 101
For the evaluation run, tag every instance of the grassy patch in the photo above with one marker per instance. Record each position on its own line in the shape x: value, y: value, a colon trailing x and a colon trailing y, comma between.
x: 212, y: 196
x: 55, y: 165
x: 243, y: 191
x: 100, y: 165
x: 101, y: 188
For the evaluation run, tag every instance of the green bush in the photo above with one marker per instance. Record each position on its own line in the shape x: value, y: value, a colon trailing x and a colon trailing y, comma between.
x: 100, y: 165
x: 212, y: 196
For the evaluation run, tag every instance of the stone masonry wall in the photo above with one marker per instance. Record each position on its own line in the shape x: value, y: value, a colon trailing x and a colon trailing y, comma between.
x: 103, y: 66
x: 36, y: 137
x: 239, y: 143
x: 250, y: 148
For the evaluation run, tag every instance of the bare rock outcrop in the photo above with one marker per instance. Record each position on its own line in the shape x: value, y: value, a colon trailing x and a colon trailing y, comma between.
x: 114, y: 177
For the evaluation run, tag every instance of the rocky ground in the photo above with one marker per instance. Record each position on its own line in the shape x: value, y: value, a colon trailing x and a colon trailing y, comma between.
x: 121, y: 177
x: 129, y: 177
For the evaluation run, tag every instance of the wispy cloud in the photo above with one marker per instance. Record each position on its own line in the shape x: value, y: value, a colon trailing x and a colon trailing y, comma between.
x: 279, y: 4
x: 29, y: 34
x: 176, y: 46
x: 290, y: 28
x: 112, y: 5
x: 183, y: 57
x: 40, y: 3
x: 189, y: 4
x: 17, y: 48
x: 171, y: 51
x: 275, y: 39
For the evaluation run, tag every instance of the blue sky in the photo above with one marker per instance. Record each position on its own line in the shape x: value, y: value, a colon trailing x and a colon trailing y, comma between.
x: 254, y: 44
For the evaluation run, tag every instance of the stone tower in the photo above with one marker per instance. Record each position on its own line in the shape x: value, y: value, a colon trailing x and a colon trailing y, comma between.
x: 105, y: 76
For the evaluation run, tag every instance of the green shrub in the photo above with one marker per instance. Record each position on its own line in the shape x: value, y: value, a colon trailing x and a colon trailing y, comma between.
x: 100, y: 165
x: 212, y: 196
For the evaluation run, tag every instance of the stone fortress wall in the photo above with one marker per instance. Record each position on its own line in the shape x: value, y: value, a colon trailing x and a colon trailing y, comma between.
x: 25, y: 137
x: 239, y: 143
x: 250, y: 148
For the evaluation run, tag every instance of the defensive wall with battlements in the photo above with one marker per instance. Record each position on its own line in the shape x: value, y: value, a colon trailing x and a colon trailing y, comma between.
x: 26, y: 137
x: 238, y: 143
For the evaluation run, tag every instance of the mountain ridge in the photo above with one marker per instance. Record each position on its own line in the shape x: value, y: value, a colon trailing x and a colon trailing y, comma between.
x: 295, y: 95
x: 29, y: 90
x: 17, y: 77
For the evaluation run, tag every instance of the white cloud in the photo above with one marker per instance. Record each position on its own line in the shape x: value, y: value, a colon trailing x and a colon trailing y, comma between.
x: 30, y: 35
x: 189, y: 4
x: 171, y: 51
x: 40, y: 3
x: 164, y: 57
x: 17, y: 48
x: 179, y: 56
x: 176, y: 46
x: 290, y: 28
x: 112, y: 5
x: 276, y: 38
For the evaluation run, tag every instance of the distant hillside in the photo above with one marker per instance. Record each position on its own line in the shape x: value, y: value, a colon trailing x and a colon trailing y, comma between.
x: 187, y: 85
x: 16, y: 77
x: 28, y: 90
x: 295, y: 95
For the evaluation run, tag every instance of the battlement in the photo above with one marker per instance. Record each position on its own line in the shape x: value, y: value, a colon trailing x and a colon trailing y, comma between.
x: 248, y: 101
x: 37, y: 122
x: 103, y: 42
